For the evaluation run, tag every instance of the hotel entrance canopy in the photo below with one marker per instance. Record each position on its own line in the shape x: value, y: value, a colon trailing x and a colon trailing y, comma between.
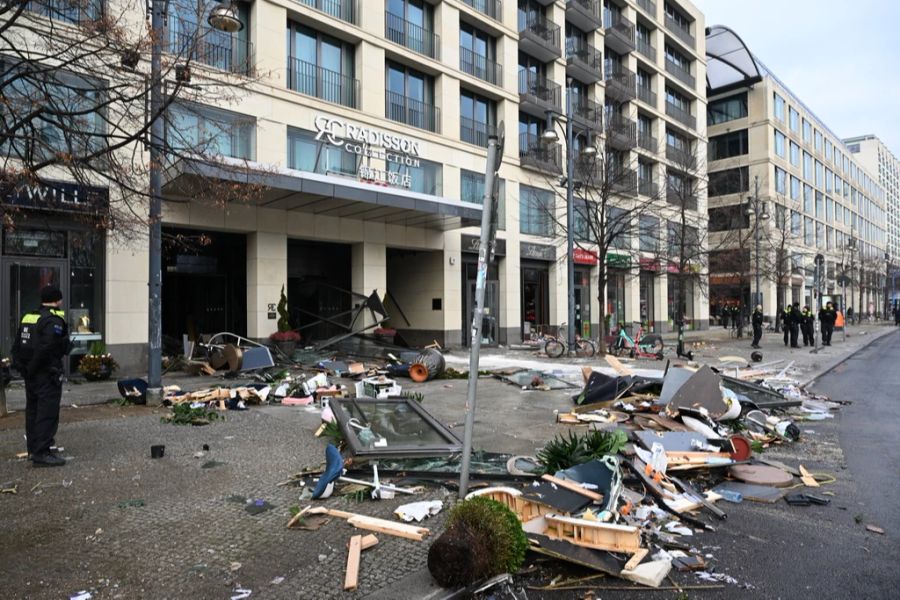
x: 729, y: 63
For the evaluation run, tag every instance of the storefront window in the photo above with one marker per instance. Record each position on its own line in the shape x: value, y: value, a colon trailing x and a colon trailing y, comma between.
x: 306, y: 154
x: 84, y: 282
x: 33, y: 242
x: 648, y: 306
x: 471, y: 189
x: 687, y: 310
x: 427, y: 178
x: 615, y: 298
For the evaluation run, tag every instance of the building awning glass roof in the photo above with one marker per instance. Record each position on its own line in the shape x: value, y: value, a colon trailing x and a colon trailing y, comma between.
x: 730, y: 64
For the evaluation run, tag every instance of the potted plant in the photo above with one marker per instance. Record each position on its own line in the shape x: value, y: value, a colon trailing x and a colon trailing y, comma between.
x: 285, y: 339
x: 97, y: 364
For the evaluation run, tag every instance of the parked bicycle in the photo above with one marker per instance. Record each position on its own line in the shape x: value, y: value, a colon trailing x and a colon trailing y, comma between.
x: 555, y: 346
x: 640, y: 346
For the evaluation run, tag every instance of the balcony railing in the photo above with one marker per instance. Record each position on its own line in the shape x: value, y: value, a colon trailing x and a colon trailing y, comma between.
x: 412, y: 112
x: 647, y: 142
x: 67, y: 11
x: 584, y: 12
x: 534, y: 153
x: 540, y: 88
x: 679, y: 156
x: 480, y: 66
x: 649, y: 6
x: 677, y: 197
x: 545, y: 31
x: 476, y: 132
x: 646, y: 95
x: 620, y: 82
x: 681, y: 115
x: 217, y: 49
x: 647, y: 188
x: 584, y: 53
x: 587, y: 170
x: 588, y: 112
x: 618, y: 27
x: 313, y: 80
x: 416, y: 38
x: 680, y: 73
x: 623, y: 181
x: 491, y: 8
x: 621, y: 131
x: 345, y: 10
x: 646, y: 48
x: 680, y: 31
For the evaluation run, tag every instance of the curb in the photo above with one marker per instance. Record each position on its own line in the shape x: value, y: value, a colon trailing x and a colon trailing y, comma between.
x: 812, y: 380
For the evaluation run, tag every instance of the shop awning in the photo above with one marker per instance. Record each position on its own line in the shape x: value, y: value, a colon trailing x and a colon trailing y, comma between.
x: 331, y: 195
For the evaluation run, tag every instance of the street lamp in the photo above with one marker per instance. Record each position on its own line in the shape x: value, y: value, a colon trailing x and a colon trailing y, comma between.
x: 222, y: 18
x: 757, y: 208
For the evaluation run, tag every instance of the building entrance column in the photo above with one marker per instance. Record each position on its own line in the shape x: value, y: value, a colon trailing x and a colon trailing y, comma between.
x: 266, y: 273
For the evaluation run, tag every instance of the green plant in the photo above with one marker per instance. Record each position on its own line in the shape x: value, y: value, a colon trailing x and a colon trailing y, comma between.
x: 417, y: 396
x: 602, y: 442
x: 332, y: 432
x: 284, y: 317
x: 498, y: 528
x: 183, y: 414
x: 97, y: 348
x: 97, y: 365
x: 565, y: 451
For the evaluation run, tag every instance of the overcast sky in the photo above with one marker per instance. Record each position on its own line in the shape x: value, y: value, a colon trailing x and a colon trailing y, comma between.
x: 841, y: 59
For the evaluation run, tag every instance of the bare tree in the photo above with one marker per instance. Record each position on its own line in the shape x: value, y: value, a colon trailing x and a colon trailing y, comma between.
x: 779, y: 240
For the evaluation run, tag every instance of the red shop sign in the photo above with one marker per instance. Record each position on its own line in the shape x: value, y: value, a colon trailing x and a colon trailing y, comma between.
x: 584, y: 257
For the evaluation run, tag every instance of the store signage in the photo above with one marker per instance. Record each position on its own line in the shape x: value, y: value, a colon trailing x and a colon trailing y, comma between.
x: 618, y: 261
x: 584, y: 257
x: 59, y: 196
x: 537, y: 251
x: 364, y: 141
x: 471, y: 244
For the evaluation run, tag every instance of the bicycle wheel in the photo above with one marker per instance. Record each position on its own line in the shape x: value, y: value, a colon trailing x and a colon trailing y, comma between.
x: 652, y: 343
x: 585, y: 348
x: 554, y: 348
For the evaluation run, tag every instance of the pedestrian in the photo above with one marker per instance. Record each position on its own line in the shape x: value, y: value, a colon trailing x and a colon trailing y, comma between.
x: 757, y: 320
x: 725, y: 312
x: 786, y: 323
x: 738, y: 317
x: 827, y: 318
x: 806, y: 326
x: 796, y: 319
x: 41, y: 343
x: 850, y: 315
x: 897, y: 316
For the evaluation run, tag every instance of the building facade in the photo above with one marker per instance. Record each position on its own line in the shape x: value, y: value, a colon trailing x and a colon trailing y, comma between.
x: 365, y: 125
x: 815, y: 198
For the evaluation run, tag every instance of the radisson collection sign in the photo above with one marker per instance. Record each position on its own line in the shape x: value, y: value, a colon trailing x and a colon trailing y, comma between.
x: 371, y: 143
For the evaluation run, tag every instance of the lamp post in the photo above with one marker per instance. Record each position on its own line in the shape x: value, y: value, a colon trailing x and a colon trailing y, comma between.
x: 222, y: 18
x: 757, y: 208
x: 887, y: 274
x: 818, y: 278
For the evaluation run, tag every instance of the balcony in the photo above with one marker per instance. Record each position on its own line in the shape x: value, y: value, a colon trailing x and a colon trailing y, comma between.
x: 647, y: 188
x: 537, y: 94
x: 583, y: 61
x: 66, y: 11
x: 476, y: 132
x: 648, y: 6
x: 480, y: 66
x: 584, y: 12
x: 623, y: 181
x: 416, y: 38
x: 681, y: 157
x: 681, y: 74
x: 491, y: 8
x: 621, y: 132
x: 539, y: 37
x: 682, y: 116
x: 681, y: 32
x: 647, y: 142
x: 620, y: 83
x: 217, y: 49
x: 587, y: 113
x: 315, y: 81
x: 677, y: 197
x: 345, y: 10
x: 412, y: 112
x: 646, y: 95
x: 587, y: 171
x: 537, y: 155
x: 619, y: 32
x: 647, y: 49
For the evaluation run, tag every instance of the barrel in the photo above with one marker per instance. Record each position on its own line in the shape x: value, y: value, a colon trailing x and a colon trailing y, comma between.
x: 427, y: 365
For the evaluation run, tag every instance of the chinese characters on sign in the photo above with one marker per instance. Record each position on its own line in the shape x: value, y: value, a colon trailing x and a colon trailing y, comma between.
x: 367, y: 173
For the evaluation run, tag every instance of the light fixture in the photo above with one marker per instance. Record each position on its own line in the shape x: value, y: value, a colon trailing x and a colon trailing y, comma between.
x: 749, y: 210
x: 225, y: 18
x: 549, y: 136
x: 765, y: 214
x: 589, y: 151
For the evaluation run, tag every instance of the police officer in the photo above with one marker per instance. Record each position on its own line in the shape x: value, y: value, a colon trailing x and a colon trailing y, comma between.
x: 827, y: 318
x: 41, y: 344
x: 806, y: 326
x: 756, y: 319
x: 786, y: 323
x: 796, y: 319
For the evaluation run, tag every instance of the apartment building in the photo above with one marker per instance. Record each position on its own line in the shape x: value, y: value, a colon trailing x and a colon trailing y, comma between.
x: 815, y: 195
x: 876, y: 157
x: 366, y: 123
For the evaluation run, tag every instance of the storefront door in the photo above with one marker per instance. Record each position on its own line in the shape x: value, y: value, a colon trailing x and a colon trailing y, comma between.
x: 23, y: 280
x: 535, y: 298
x: 490, y: 324
x: 583, y: 302
x: 648, y: 306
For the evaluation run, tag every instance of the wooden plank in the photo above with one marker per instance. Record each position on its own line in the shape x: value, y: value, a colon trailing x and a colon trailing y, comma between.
x: 594, y: 534
x: 351, y: 575
x: 389, y: 527
x: 573, y: 487
x: 298, y: 516
x: 636, y: 559
x: 368, y: 541
x: 807, y: 478
x: 617, y: 365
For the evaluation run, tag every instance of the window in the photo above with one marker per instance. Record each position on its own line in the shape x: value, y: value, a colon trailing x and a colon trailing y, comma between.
x: 808, y: 199
x: 820, y: 235
x: 410, y: 97
x: 778, y: 107
x: 807, y: 132
x: 780, y: 181
x: 68, y: 11
x: 618, y: 228
x: 478, y: 118
x: 779, y: 144
x: 471, y: 189
x: 728, y: 145
x: 796, y: 223
x: 678, y: 17
x: 680, y: 190
x: 829, y: 210
x: 188, y: 35
x: 795, y: 188
x: 819, y: 175
x: 536, y: 208
x: 307, y: 154
x: 678, y: 100
x: 477, y: 53
x: 818, y: 138
x: 648, y: 233
x: 828, y: 150
x: 209, y: 131
x: 810, y: 233
x: 794, y: 120
x: 679, y: 59
x: 829, y: 180
x: 583, y: 219
x: 820, y: 205
x: 427, y: 178
x: 795, y: 154
x: 321, y: 66
x: 727, y: 109
x: 729, y: 181
x: 807, y: 166
x: 677, y: 141
x: 727, y: 218
x: 411, y: 24
x: 643, y: 79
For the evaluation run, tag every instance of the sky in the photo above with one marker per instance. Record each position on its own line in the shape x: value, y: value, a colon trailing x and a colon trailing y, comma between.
x: 841, y: 59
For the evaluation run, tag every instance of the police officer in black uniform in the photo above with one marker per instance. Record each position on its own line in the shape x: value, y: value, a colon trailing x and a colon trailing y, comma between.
x: 41, y: 344
x: 827, y: 318
x: 807, y: 326
x: 756, y: 319
x: 796, y: 319
x: 786, y: 323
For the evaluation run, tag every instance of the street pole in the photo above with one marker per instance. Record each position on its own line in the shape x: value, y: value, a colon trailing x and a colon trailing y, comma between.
x: 157, y: 155
x: 485, y: 256
x: 756, y: 209
x: 570, y: 217
x: 818, y: 280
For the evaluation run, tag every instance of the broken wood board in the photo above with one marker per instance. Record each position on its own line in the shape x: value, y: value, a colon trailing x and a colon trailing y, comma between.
x: 375, y: 524
x: 617, y: 366
x: 594, y: 534
x: 761, y: 475
x: 368, y: 541
x: 807, y: 478
x: 646, y: 420
x: 650, y: 573
x: 586, y: 557
x: 574, y: 487
x: 351, y: 575
x: 635, y: 560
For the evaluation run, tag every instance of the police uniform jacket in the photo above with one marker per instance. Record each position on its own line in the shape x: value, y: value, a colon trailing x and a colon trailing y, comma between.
x: 42, y: 342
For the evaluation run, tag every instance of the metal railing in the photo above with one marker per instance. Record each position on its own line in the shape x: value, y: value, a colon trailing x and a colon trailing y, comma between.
x: 480, y: 66
x: 589, y: 111
x: 416, y: 38
x: 621, y: 130
x: 540, y: 26
x: 412, y: 112
x: 475, y: 132
x: 677, y: 197
x: 647, y: 188
x: 681, y: 115
x: 620, y: 82
x: 491, y: 8
x: 647, y: 142
x: 540, y: 87
x: 589, y: 6
x: 623, y: 181
x: 619, y: 26
x: 646, y: 95
x: 682, y: 33
x: 585, y: 53
x: 217, y: 49
x: 67, y: 11
x: 534, y: 153
x: 345, y: 10
x: 646, y: 48
x: 679, y: 156
x: 313, y: 80
x: 680, y: 73
x: 648, y: 6
x: 587, y: 170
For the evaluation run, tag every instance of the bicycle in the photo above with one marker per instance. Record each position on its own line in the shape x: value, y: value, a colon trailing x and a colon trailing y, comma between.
x: 640, y: 346
x: 555, y: 346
